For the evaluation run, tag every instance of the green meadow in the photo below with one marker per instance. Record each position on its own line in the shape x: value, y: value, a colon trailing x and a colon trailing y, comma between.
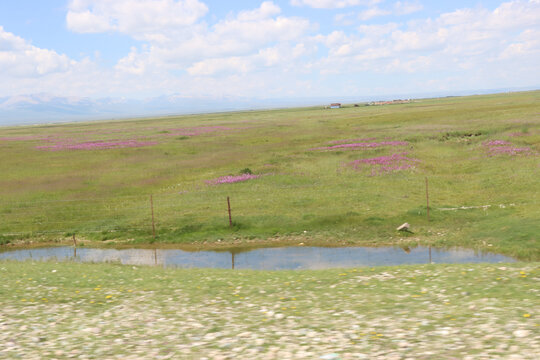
x: 346, y: 176
x: 315, y: 176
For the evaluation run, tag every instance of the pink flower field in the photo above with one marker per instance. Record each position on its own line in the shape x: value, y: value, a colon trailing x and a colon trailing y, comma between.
x: 502, y: 147
x: 384, y: 164
x: 230, y: 179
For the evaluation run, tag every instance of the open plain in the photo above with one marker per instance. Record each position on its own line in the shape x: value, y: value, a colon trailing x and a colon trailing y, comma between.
x: 315, y: 176
x: 346, y: 176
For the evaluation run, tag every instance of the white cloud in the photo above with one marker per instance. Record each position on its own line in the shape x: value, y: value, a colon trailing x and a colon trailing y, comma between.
x: 141, y: 19
x: 398, y: 9
x: 264, y: 51
x: 280, y: 56
x: 233, y: 42
x: 332, y: 4
x: 219, y: 66
x: 512, y: 14
x: 18, y: 58
x: 345, y: 18
x: 373, y: 31
x: 373, y: 12
x: 462, y: 40
x: 405, y: 7
x: 133, y: 63
x: 266, y: 10
x: 175, y: 38
x: 527, y: 44
x: 86, y: 21
x: 260, y: 31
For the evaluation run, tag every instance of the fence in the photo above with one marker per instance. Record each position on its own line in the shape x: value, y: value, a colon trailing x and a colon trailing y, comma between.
x: 281, y: 206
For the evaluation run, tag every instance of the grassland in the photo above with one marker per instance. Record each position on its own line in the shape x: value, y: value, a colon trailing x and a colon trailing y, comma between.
x: 95, y: 179
x: 105, y: 311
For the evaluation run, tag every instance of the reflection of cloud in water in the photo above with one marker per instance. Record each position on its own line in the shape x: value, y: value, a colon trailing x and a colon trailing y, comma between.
x: 324, y: 258
x: 466, y: 256
x: 201, y: 259
x: 126, y: 256
x: 59, y: 253
x: 264, y: 259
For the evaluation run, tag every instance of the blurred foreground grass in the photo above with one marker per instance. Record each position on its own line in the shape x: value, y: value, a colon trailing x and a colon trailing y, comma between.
x: 72, y: 310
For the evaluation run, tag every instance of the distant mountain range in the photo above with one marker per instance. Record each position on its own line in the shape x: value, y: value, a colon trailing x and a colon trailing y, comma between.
x: 39, y: 108
x: 47, y: 108
x: 42, y: 108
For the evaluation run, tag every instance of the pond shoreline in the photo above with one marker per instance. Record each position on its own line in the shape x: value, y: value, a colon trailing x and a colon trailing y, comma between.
x: 262, y: 258
x: 200, y: 246
x: 244, y: 245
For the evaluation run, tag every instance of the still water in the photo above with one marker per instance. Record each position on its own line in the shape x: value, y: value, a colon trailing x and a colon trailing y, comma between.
x: 262, y: 258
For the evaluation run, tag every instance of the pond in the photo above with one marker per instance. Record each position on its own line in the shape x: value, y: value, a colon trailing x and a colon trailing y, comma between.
x: 262, y: 258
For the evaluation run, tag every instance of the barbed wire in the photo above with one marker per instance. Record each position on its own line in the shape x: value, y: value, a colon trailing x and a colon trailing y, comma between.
x: 203, y: 205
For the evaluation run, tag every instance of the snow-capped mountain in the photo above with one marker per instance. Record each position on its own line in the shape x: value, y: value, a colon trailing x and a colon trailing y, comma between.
x: 39, y: 108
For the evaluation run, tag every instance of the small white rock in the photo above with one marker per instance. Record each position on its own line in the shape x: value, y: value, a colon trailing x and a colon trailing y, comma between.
x: 521, y: 333
x: 404, y: 227
x: 332, y: 356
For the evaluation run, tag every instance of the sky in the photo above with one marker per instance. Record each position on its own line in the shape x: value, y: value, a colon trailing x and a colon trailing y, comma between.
x: 266, y: 49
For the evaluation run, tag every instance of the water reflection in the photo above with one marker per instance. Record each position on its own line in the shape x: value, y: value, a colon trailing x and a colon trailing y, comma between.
x: 263, y: 258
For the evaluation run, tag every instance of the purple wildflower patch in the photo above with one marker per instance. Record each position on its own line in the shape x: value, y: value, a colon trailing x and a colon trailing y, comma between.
x: 97, y: 145
x: 501, y: 147
x: 384, y: 164
x: 363, y: 145
x: 232, y: 179
x: 517, y: 134
x: 496, y: 143
x: 509, y: 150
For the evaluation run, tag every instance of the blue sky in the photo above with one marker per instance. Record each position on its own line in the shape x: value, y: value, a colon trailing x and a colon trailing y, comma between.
x: 266, y: 49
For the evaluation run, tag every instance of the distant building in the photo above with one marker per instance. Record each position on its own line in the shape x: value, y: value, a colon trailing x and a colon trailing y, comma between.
x: 335, y: 106
x: 393, y: 102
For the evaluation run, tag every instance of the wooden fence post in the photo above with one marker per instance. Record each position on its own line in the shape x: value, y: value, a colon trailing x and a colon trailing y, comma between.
x: 229, y: 206
x: 153, y: 223
x: 427, y: 199
x: 74, y: 247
